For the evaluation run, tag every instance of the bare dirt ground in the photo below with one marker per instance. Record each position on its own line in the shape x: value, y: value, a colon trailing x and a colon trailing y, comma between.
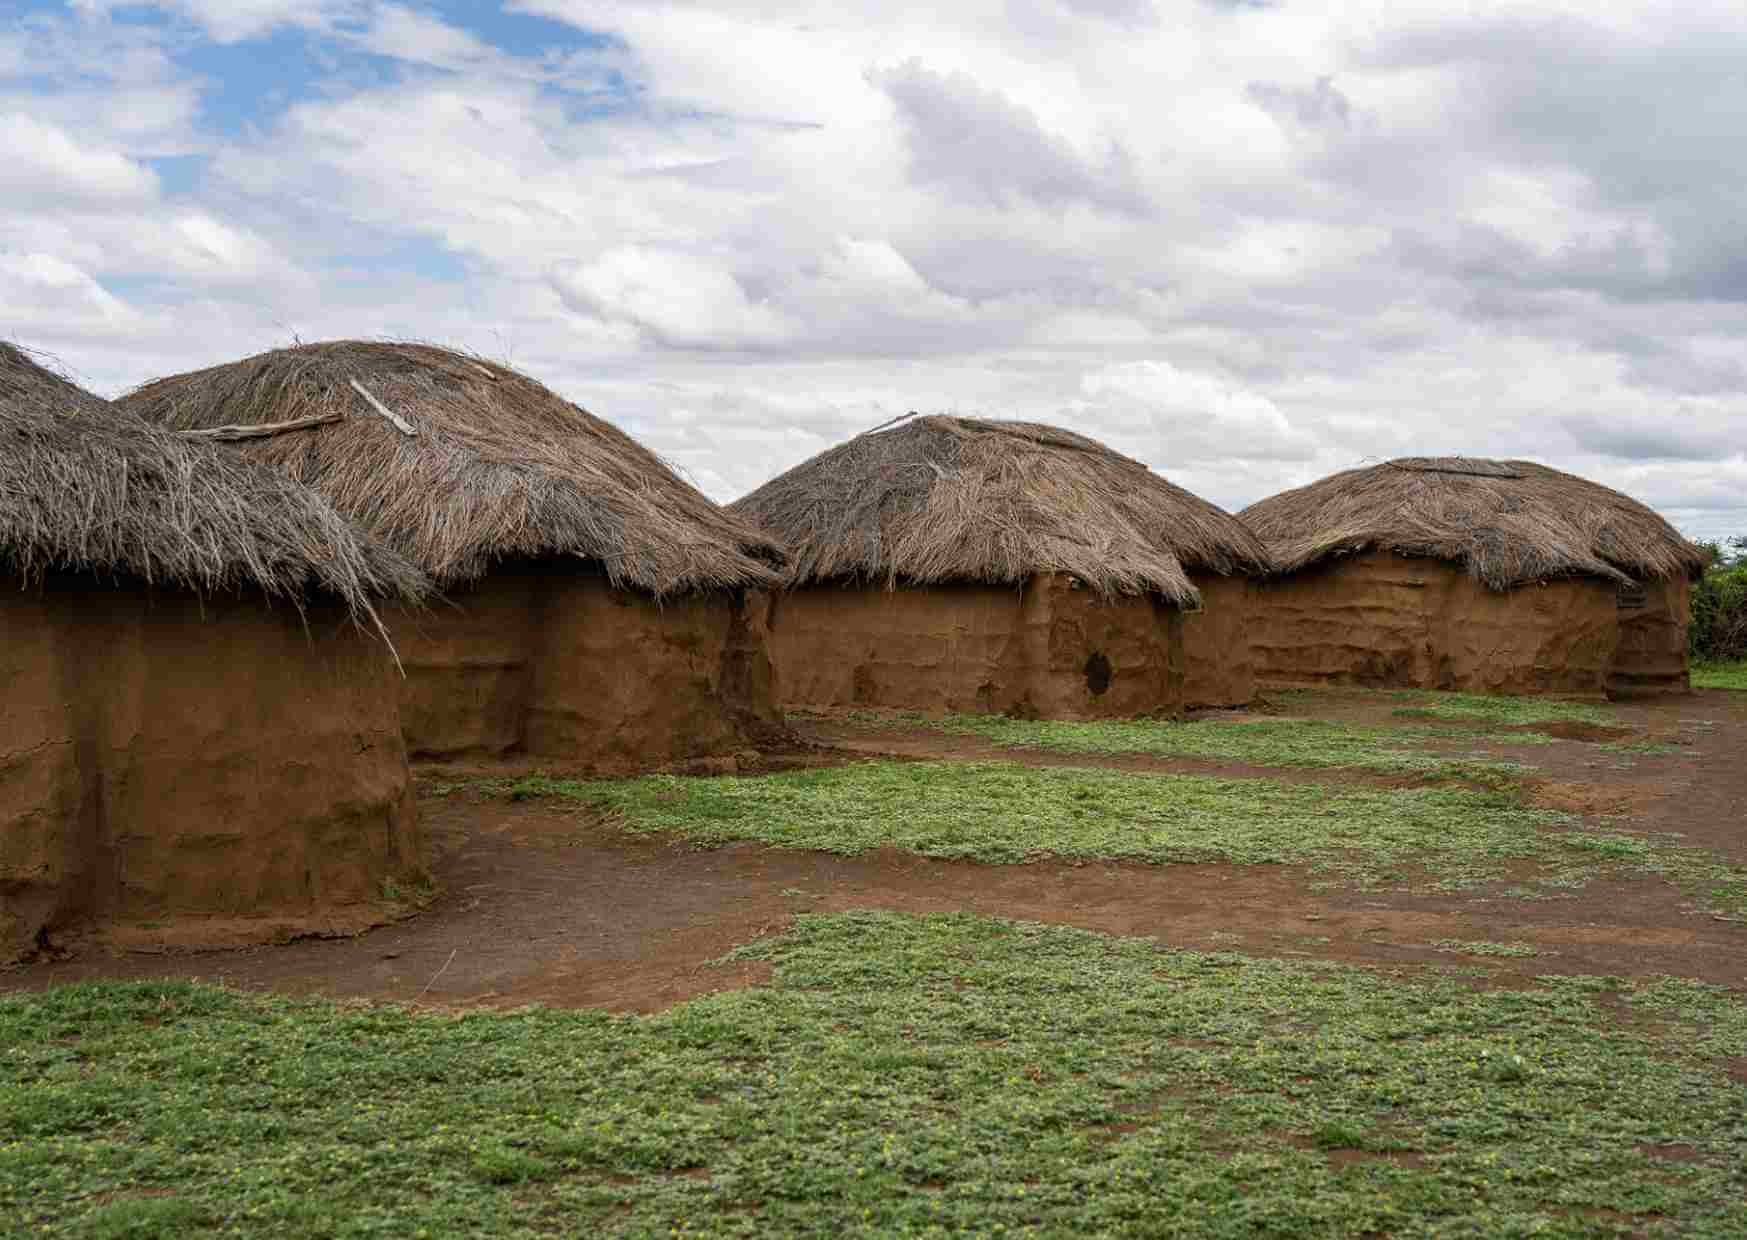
x: 544, y: 904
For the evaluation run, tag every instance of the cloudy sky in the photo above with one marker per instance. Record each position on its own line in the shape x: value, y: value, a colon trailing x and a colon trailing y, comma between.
x: 1248, y: 241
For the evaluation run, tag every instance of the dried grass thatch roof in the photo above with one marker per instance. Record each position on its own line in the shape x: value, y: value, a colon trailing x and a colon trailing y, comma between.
x: 497, y: 466
x: 87, y: 487
x: 1507, y: 522
x: 943, y: 499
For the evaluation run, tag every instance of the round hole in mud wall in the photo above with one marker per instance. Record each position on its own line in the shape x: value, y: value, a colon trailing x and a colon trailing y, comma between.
x: 1097, y: 673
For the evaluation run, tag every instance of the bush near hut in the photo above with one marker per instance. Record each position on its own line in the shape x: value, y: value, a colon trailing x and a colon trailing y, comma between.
x: 1719, y: 605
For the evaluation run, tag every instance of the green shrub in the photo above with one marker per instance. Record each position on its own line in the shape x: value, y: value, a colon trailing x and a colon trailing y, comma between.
x: 1719, y: 607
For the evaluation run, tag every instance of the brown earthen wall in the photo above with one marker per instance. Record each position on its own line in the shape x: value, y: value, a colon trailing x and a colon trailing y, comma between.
x: 43, y: 795
x: 468, y: 662
x: 622, y: 682
x: 1389, y: 620
x: 1049, y: 649
x: 1357, y: 620
x: 551, y: 661
x: 1553, y: 638
x: 164, y: 760
x: 1652, y: 656
x: 1218, y: 669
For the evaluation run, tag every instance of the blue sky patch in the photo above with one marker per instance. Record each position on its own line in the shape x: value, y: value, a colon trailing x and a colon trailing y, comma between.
x: 178, y: 174
x: 248, y: 83
x: 251, y: 82
x: 430, y: 259
x: 519, y: 34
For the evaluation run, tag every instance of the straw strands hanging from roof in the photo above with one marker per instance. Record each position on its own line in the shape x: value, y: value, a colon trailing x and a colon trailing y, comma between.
x: 87, y: 487
x: 485, y: 465
x: 1507, y: 522
x: 945, y: 499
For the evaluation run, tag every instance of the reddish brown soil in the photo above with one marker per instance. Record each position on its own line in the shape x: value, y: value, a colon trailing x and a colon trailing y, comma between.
x: 543, y: 904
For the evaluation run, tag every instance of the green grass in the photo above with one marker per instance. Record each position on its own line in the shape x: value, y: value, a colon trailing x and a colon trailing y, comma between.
x: 1447, y: 838
x: 1310, y: 743
x: 1483, y: 948
x: 902, y: 1076
x: 1499, y: 710
x: 1720, y: 675
x: 1645, y: 747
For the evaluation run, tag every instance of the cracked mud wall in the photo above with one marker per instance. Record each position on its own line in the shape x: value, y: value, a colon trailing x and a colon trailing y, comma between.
x: 209, y: 765
x: 1218, y: 668
x: 549, y: 660
x: 45, y: 861
x: 1049, y: 649
x: 1381, y: 619
x: 1652, y: 656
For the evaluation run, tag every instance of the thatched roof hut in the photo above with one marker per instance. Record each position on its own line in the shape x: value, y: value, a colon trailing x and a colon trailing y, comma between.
x: 598, y: 613
x: 87, y: 487
x: 1506, y: 522
x: 1571, y: 586
x: 945, y: 499
x: 931, y: 562
x: 492, y: 466
x: 178, y: 745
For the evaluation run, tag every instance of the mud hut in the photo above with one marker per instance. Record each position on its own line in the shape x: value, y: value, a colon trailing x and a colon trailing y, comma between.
x: 595, y: 606
x: 1464, y: 573
x: 951, y: 564
x: 198, y: 716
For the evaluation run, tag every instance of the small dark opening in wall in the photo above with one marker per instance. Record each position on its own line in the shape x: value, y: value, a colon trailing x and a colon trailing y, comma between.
x: 1633, y: 597
x: 1097, y: 673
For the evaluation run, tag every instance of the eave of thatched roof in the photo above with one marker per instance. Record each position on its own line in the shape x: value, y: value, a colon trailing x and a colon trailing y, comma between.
x: 86, y: 487
x: 497, y: 467
x: 943, y: 499
x: 1507, y: 522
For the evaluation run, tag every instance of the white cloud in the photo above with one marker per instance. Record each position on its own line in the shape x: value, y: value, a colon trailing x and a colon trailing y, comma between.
x: 35, y: 288
x: 977, y: 142
x: 1196, y: 416
x: 407, y: 34
x: 231, y: 21
x: 678, y: 299
x: 762, y: 225
x: 45, y: 167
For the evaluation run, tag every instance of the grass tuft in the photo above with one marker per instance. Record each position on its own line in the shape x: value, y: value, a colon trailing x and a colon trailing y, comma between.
x: 1720, y: 675
x: 1482, y: 948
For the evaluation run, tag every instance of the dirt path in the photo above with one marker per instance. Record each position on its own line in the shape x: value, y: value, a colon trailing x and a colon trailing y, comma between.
x: 545, y: 906
x: 542, y: 904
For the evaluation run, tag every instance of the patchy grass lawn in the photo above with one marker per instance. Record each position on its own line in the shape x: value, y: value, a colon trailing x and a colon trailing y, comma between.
x: 1444, y: 837
x: 1311, y: 743
x: 902, y: 1075
x: 1498, y: 710
x: 1720, y: 675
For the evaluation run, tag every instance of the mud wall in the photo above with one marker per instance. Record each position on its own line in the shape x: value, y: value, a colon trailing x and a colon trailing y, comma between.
x: 621, y: 682
x: 1652, y: 652
x: 163, y: 760
x: 469, y: 666
x: 44, y: 871
x: 1387, y: 620
x: 551, y: 661
x: 1049, y: 649
x: 1217, y: 666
